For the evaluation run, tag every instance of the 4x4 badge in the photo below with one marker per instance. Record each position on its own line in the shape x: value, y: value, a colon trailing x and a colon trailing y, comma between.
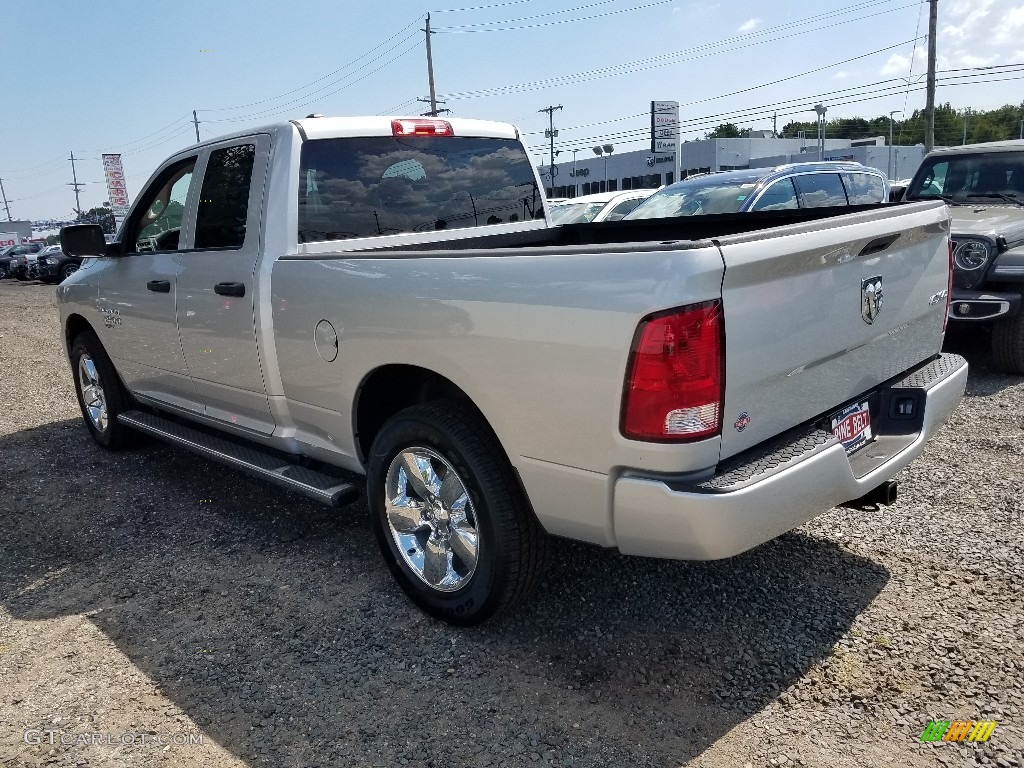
x: 870, y: 298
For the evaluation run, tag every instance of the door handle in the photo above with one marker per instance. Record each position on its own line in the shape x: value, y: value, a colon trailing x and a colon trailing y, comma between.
x: 878, y: 245
x: 229, y: 289
x: 159, y: 286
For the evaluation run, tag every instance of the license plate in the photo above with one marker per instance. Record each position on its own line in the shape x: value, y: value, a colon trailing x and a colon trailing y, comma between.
x: 852, y: 426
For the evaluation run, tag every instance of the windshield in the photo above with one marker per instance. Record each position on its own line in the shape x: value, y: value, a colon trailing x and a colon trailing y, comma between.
x: 575, y: 213
x: 706, y: 194
x: 992, y: 174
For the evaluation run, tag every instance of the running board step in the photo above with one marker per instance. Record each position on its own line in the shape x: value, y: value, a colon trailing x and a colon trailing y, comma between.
x: 266, y: 466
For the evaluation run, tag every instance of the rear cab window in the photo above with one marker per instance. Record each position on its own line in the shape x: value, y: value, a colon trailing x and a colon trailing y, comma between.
x: 384, y: 185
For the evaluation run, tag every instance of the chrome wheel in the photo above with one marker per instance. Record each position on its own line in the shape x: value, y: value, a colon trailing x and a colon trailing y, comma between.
x: 93, y: 396
x: 431, y: 519
x: 69, y: 270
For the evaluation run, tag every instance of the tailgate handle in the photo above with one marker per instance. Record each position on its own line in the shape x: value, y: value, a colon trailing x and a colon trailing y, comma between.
x: 229, y: 289
x: 879, y: 244
x: 159, y: 286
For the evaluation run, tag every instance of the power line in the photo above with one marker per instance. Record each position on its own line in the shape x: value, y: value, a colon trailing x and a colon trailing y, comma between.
x: 484, y: 7
x: 744, y: 90
x: 304, y: 100
x: 853, y: 95
x: 704, y: 50
x: 479, y: 27
x: 314, y: 82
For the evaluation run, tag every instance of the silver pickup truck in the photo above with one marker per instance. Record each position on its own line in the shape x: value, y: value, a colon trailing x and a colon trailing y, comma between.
x: 378, y: 295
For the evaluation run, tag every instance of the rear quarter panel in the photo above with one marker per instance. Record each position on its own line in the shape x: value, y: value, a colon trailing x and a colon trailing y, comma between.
x: 539, y: 342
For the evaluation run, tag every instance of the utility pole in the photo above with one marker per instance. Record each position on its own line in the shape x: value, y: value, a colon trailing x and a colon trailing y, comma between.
x: 775, y: 125
x: 76, y: 185
x: 967, y: 114
x: 433, y: 112
x: 195, y: 120
x: 933, y: 23
x: 430, y: 71
x: 551, y: 133
x: 6, y: 205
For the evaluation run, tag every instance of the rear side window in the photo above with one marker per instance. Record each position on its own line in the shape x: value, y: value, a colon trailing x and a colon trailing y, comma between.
x: 863, y: 188
x: 779, y: 196
x: 384, y: 185
x: 224, y: 199
x: 820, y: 190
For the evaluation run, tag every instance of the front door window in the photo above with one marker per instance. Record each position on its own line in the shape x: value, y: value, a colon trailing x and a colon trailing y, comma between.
x: 158, y: 226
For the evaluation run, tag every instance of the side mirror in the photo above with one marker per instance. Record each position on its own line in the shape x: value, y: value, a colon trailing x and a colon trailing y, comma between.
x: 83, y: 240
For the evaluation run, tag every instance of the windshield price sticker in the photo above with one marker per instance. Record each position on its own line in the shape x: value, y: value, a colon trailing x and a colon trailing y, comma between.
x: 852, y: 426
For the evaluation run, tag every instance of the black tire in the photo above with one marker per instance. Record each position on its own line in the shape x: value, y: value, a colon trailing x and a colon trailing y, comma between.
x: 1008, y: 344
x: 3, y: 272
x: 108, y: 432
x: 67, y: 271
x: 510, y: 542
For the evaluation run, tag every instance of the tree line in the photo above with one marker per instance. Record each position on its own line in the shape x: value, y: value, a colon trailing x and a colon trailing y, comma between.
x: 950, y: 126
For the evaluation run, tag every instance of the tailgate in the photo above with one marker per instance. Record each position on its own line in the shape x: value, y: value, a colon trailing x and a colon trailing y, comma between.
x: 805, y: 331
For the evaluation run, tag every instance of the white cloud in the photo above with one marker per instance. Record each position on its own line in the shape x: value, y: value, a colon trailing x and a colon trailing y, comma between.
x: 844, y: 74
x: 972, y: 33
x: 749, y: 25
x: 899, y: 65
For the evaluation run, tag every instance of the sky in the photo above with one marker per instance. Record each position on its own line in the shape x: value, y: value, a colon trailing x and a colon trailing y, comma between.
x: 122, y: 76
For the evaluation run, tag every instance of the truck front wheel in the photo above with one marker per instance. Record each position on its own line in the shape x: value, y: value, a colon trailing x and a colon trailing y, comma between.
x: 451, y: 521
x: 1008, y: 344
x: 100, y: 393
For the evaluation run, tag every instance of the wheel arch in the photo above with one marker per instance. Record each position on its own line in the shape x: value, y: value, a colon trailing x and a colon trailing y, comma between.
x: 388, y: 389
x: 75, y: 325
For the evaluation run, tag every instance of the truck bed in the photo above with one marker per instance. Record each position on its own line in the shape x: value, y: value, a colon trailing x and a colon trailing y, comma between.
x: 652, y: 231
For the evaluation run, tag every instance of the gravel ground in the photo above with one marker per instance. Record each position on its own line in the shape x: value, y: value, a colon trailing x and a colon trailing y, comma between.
x: 150, y: 594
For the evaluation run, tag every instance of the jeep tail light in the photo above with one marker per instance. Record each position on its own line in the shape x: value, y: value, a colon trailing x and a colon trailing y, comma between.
x: 675, y: 379
x: 412, y: 127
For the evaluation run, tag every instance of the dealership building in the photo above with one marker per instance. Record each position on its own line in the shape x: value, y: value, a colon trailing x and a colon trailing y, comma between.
x: 643, y: 169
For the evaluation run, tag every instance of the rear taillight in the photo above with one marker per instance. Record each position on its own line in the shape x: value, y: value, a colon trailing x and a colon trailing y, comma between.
x: 949, y: 283
x: 675, y: 380
x: 413, y: 127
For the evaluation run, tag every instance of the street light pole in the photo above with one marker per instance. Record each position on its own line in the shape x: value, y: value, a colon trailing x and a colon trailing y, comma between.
x: 821, y: 110
x: 892, y: 171
x: 608, y: 149
x: 574, y: 182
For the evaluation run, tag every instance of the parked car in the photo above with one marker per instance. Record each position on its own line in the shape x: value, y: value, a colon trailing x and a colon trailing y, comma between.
x: 784, y: 187
x: 54, y: 265
x: 984, y: 187
x: 602, y: 206
x: 339, y: 306
x: 11, y: 258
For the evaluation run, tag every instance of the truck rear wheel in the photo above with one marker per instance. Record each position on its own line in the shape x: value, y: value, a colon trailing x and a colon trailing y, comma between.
x: 100, y: 393
x: 452, y: 523
x: 1008, y: 344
